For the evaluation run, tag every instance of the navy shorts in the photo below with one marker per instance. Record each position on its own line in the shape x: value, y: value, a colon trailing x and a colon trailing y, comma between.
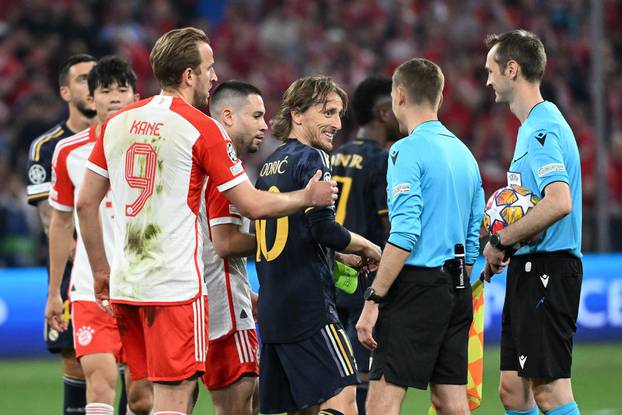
x: 540, y: 314
x: 349, y: 309
x: 58, y: 342
x: 299, y: 375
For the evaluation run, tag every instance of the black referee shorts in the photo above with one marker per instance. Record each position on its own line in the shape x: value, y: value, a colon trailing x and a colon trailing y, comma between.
x: 540, y: 314
x: 423, y: 330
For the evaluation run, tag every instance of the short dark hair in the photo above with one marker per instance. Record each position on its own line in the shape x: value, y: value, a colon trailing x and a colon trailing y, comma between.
x: 422, y: 79
x: 232, y: 90
x: 522, y: 46
x: 63, y: 72
x: 111, y: 69
x: 301, y: 95
x: 366, y: 95
x: 174, y: 52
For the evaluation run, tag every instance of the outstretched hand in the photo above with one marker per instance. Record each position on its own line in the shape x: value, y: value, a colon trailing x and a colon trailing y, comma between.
x: 321, y: 193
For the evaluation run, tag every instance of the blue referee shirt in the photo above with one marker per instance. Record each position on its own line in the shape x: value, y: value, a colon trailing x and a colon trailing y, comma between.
x: 546, y: 152
x: 434, y: 195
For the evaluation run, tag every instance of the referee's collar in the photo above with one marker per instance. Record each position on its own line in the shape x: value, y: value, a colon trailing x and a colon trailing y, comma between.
x: 422, y: 124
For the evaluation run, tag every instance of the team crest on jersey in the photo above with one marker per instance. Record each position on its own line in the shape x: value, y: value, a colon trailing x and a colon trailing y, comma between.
x: 85, y: 335
x: 231, y: 152
x: 36, y: 174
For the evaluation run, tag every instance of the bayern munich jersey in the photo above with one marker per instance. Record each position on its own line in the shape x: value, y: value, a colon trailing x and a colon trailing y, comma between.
x: 68, y: 167
x: 228, y: 289
x: 158, y: 154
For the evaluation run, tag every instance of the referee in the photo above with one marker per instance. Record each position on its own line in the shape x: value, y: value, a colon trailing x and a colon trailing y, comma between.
x: 544, y: 279
x: 420, y: 302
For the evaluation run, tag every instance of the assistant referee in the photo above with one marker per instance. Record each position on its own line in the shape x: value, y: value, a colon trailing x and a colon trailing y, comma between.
x: 435, y: 201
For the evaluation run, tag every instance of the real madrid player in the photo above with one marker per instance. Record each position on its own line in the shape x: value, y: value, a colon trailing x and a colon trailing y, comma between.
x: 72, y: 80
x: 307, y: 362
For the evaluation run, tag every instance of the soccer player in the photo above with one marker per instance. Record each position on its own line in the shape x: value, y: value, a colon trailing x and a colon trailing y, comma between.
x: 360, y: 166
x: 544, y: 279
x: 73, y: 88
x: 155, y: 157
x: 232, y: 357
x: 306, y: 359
x: 436, y: 202
x: 112, y: 84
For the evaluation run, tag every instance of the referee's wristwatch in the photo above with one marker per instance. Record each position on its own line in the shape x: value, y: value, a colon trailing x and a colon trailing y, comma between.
x: 370, y: 295
x: 495, y: 242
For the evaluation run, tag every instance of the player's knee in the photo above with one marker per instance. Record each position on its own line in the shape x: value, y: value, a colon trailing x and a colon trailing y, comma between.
x: 100, y: 388
x: 71, y: 367
x: 454, y: 408
x: 141, y: 405
x: 509, y: 395
x: 450, y: 406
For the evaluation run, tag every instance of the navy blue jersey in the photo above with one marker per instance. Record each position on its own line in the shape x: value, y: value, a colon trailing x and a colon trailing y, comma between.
x: 39, y: 170
x: 360, y: 169
x: 297, y: 293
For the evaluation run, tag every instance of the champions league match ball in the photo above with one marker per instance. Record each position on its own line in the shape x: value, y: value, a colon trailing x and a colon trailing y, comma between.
x: 506, y: 206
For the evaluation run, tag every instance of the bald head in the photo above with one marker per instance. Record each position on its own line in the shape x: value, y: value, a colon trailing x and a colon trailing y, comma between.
x: 239, y: 107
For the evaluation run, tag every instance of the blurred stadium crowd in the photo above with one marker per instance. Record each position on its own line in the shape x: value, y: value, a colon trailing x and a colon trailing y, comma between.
x: 272, y: 42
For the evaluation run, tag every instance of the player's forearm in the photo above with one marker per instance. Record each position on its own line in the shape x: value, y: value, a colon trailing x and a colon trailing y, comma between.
x: 44, y: 210
x: 92, y: 192
x: 230, y: 241
x: 276, y: 205
x: 358, y: 245
x: 92, y: 236
x: 60, y: 247
x: 392, y: 262
x: 553, y: 207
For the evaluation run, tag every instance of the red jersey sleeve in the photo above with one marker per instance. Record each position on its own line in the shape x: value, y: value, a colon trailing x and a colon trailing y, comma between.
x: 62, y: 194
x: 97, y: 159
x: 215, y: 154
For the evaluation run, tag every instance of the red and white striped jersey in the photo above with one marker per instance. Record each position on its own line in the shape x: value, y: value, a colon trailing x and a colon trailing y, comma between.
x: 158, y: 154
x: 228, y: 289
x: 68, y: 167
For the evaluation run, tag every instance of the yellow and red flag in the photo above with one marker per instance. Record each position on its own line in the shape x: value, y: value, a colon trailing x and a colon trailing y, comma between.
x: 476, y: 349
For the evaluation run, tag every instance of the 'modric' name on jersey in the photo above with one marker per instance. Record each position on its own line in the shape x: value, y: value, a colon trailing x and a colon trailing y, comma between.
x: 297, y: 293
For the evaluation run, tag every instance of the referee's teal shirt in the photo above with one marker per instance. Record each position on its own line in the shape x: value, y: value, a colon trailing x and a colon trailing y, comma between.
x: 546, y: 152
x: 434, y: 195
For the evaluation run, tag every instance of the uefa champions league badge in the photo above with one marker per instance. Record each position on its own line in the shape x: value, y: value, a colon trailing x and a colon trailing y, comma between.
x: 514, y: 179
x: 85, y: 335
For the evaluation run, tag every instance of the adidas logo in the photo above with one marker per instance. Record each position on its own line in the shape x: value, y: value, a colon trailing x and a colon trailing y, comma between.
x: 243, y: 314
x: 545, y: 280
x: 522, y: 360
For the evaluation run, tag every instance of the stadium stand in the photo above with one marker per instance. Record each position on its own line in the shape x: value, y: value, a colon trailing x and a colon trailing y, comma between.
x: 272, y: 42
